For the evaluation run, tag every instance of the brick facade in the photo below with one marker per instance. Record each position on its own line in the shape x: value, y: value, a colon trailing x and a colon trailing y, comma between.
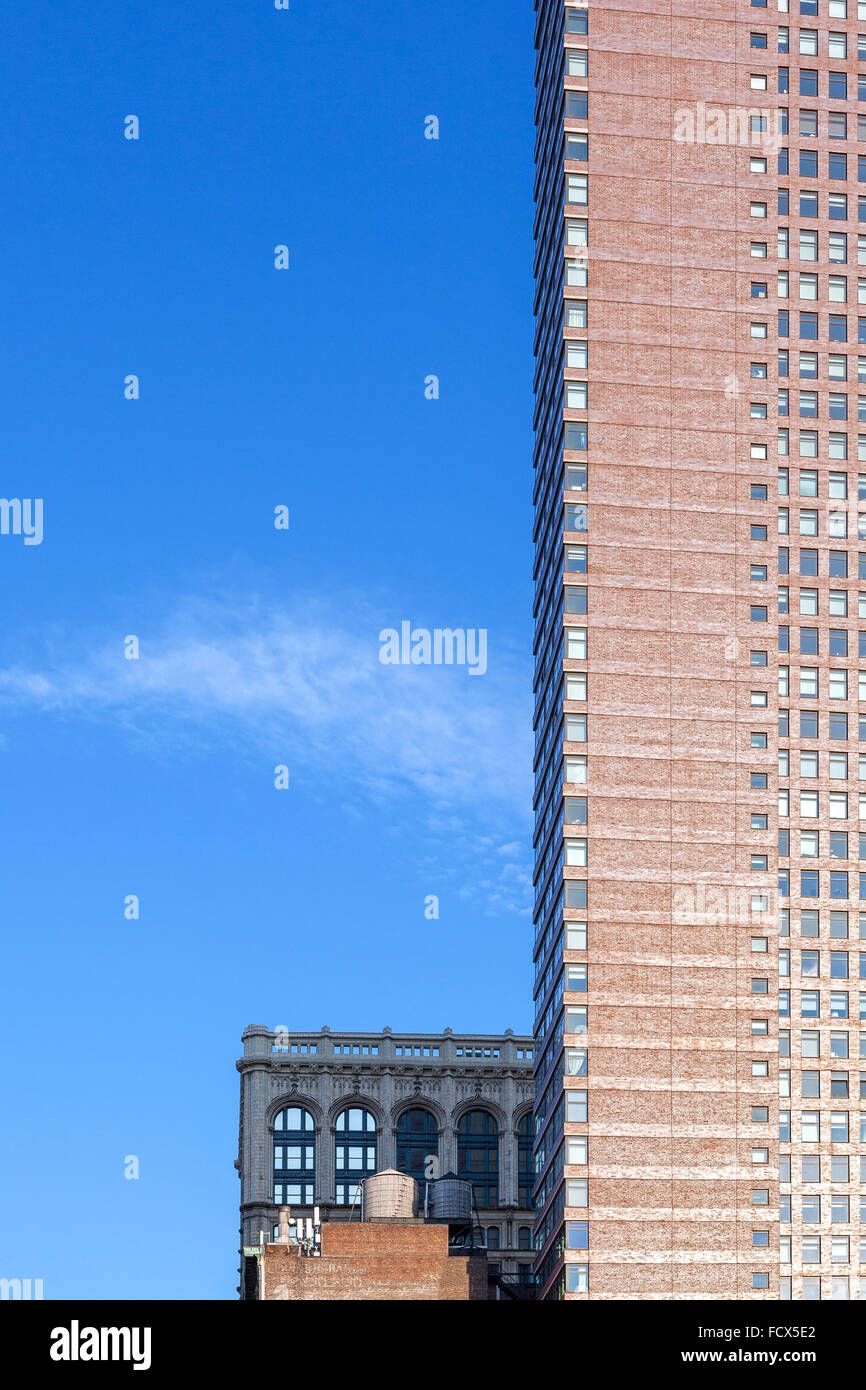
x: 378, y: 1261
x: 692, y: 254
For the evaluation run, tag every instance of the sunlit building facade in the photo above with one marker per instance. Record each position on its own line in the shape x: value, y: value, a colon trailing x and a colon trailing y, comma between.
x: 700, y: 471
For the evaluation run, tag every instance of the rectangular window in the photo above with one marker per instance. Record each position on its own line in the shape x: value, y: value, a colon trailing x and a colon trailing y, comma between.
x: 577, y: 1235
x: 575, y: 940
x: 576, y: 1149
x: 576, y: 1107
x: 577, y: 143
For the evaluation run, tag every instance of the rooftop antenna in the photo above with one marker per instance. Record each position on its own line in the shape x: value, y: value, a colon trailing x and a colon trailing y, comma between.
x: 307, y: 1235
x: 317, y: 1232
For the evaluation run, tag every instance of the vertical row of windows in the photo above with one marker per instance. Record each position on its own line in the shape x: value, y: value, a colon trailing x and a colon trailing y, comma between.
x: 294, y: 1157
x: 354, y: 1153
x: 814, y: 1100
x: 560, y: 733
x: 572, y: 1243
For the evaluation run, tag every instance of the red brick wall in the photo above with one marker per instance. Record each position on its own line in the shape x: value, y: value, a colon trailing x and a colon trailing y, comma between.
x: 382, y: 1261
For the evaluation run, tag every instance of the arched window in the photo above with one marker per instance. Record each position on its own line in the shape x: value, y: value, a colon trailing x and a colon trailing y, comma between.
x: 525, y: 1163
x: 354, y: 1152
x: 478, y: 1155
x: 294, y: 1157
x: 524, y: 1237
x: 417, y: 1140
x: 492, y: 1237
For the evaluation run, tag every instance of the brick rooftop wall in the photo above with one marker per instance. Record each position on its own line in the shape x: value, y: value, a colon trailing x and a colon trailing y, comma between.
x: 376, y: 1262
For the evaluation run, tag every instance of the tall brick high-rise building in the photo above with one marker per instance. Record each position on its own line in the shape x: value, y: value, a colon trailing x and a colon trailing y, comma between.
x: 700, y: 590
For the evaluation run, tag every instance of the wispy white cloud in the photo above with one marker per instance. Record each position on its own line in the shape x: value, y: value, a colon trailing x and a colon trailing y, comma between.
x: 305, y: 686
x: 502, y: 887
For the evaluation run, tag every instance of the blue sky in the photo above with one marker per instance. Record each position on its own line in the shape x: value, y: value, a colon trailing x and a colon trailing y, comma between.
x: 259, y: 387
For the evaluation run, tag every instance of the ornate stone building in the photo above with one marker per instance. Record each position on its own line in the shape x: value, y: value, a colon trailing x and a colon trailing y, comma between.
x: 320, y: 1111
